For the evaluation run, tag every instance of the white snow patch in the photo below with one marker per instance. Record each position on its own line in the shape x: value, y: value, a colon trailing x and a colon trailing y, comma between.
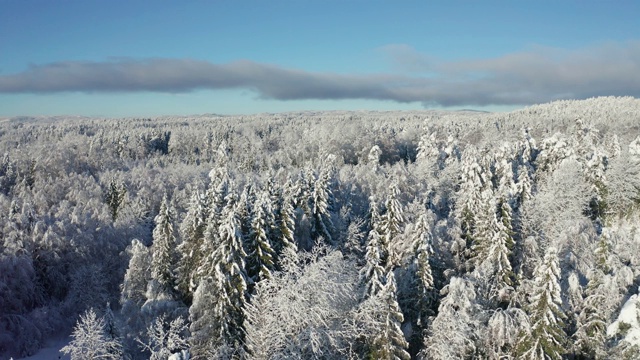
x: 51, y: 351
x: 628, y: 319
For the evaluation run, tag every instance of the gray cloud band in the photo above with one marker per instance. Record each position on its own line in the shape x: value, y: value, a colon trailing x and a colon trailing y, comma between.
x: 516, y: 79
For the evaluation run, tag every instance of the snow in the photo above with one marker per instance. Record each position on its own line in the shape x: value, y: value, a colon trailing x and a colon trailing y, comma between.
x: 51, y: 351
x: 629, y: 316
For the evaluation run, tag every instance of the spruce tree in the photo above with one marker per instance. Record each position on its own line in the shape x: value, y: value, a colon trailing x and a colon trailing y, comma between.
x: 321, y: 199
x: 524, y: 186
x: 190, y: 249
x: 110, y: 327
x: 547, y: 338
x: 260, y: 260
x: 205, y: 319
x: 217, y: 312
x: 163, y: 250
x: 390, y: 344
x: 389, y: 227
x: 495, y: 269
x: 373, y: 272
x: 453, y: 333
x: 288, y: 256
x: 469, y: 199
x: 590, y: 335
x: 114, y: 197
x: 423, y: 250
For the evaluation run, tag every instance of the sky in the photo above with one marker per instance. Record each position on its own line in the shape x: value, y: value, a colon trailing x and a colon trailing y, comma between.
x: 148, y: 58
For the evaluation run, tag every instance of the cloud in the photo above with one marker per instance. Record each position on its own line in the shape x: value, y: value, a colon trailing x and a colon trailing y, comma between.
x: 406, y: 58
x: 537, y: 75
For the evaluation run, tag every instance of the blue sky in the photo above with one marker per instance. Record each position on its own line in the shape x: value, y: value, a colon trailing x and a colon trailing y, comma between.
x: 148, y: 58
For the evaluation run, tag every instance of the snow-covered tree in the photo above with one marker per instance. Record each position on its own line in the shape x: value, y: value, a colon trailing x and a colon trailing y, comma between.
x: 495, y: 270
x: 389, y: 227
x: 469, y: 199
x: 166, y: 338
x: 500, y: 337
x: 390, y: 343
x: 110, y: 327
x: 133, y: 293
x: 547, y: 338
x: 190, y: 249
x: 423, y: 252
x: 528, y: 149
x: 427, y: 147
x: 454, y: 331
x: 216, y: 314
x: 288, y: 256
x: 260, y: 254
x: 204, y: 319
x: 163, y: 250
x: 625, y: 331
x: 503, y: 171
x: 524, y: 185
x: 89, y: 340
x: 304, y: 313
x: 373, y: 272
x: 114, y: 196
x: 590, y: 335
x: 321, y: 200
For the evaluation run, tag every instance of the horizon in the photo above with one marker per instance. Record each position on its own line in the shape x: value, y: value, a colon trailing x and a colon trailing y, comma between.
x: 146, y: 59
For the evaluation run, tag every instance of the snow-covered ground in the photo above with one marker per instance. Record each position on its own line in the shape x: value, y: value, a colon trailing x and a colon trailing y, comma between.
x: 627, y: 324
x: 51, y: 351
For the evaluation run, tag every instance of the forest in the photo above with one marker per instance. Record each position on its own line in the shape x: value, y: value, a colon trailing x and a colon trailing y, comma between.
x: 325, y: 235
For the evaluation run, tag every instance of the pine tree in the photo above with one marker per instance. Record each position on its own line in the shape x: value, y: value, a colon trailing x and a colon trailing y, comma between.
x: 110, y: 327
x: 485, y: 223
x: 373, y: 272
x: 504, y: 177
x: 216, y: 198
x: 217, y: 312
x: 245, y: 209
x: 163, y: 250
x: 524, y: 186
x: 454, y: 331
x: 205, y: 319
x: 494, y: 268
x: 427, y: 148
x: 260, y: 260
x: 288, y: 256
x: 272, y: 208
x: 216, y: 194
x: 321, y: 199
x: 389, y: 227
x: 190, y: 250
x: 423, y: 250
x: 590, y: 335
x: 547, y: 338
x: 390, y: 344
x: 133, y: 293
x: 114, y: 197
x: 469, y: 198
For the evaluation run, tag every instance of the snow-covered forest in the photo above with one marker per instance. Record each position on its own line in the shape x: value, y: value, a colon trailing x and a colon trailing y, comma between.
x: 331, y: 235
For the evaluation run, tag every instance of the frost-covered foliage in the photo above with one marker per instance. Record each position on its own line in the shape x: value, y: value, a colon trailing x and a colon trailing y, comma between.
x: 90, y: 340
x: 301, y: 314
x: 329, y: 235
x: 546, y: 339
x: 166, y: 338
